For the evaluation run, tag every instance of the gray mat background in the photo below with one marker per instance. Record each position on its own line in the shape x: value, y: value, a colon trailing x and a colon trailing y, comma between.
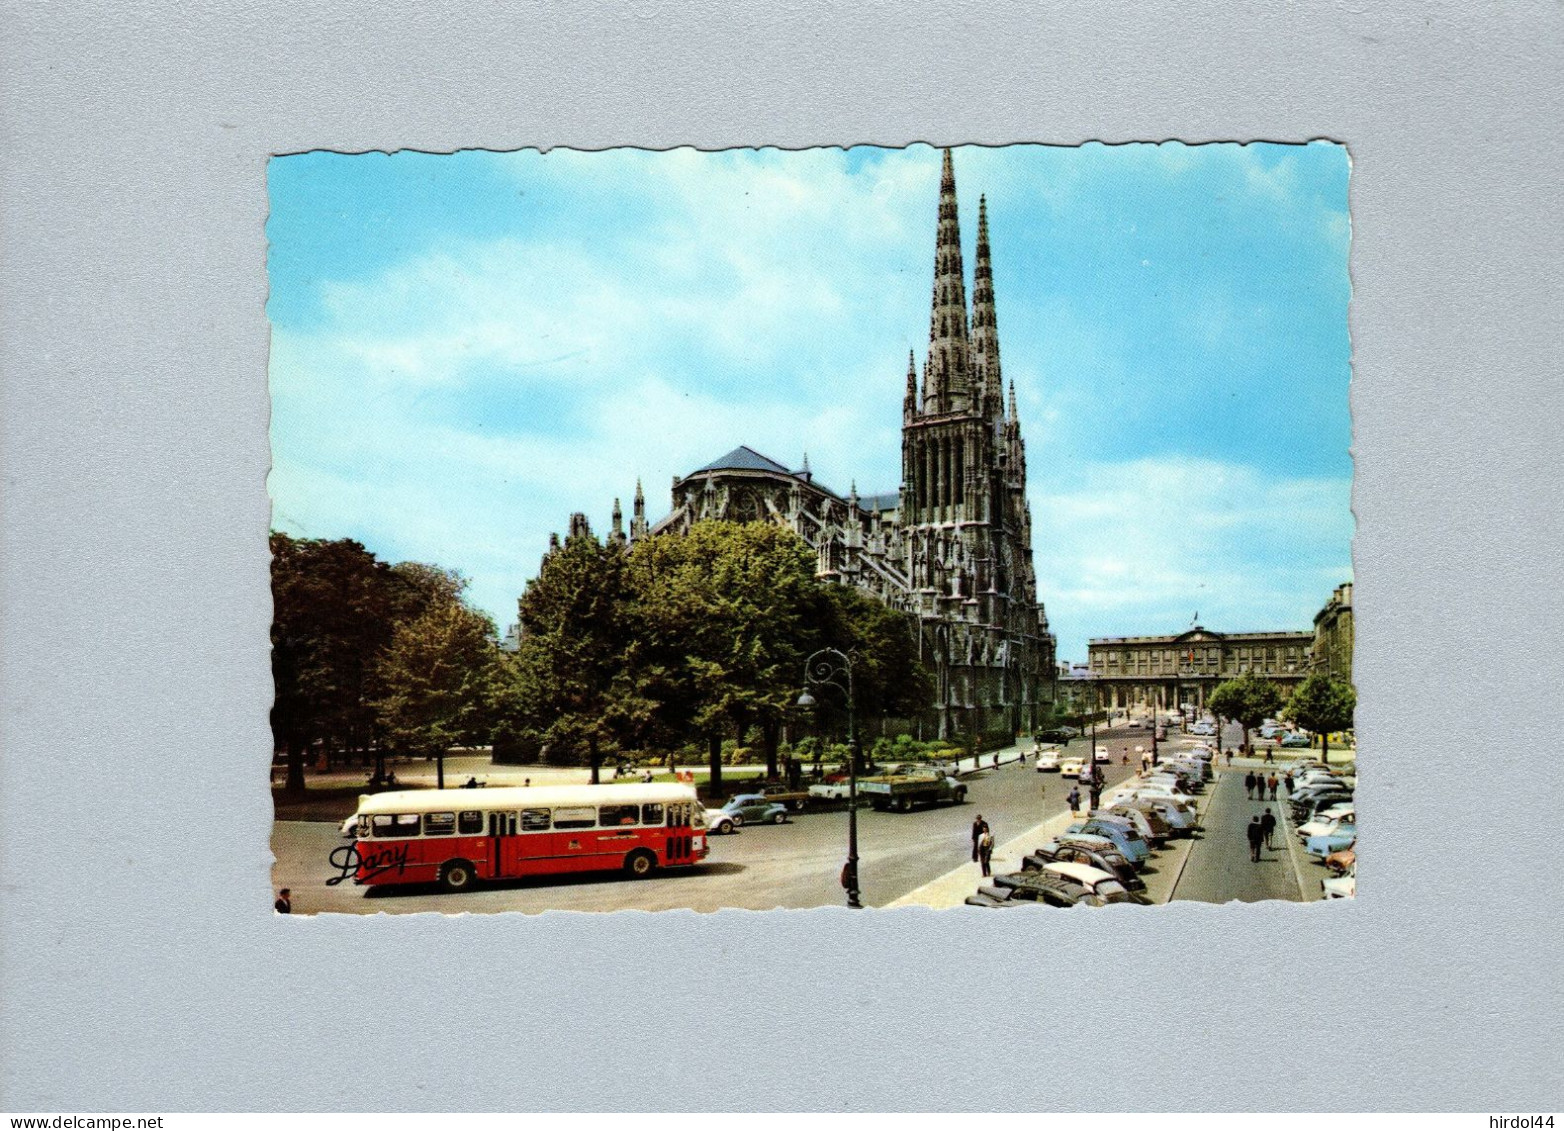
x: 141, y: 968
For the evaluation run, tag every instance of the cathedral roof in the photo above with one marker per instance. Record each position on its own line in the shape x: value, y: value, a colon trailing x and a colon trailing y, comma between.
x: 883, y: 502
x: 742, y: 458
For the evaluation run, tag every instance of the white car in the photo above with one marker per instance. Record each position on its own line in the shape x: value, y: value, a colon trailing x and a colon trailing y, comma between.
x: 718, y: 821
x: 1048, y: 760
x: 1072, y: 766
x: 1341, y: 887
x: 1325, y: 825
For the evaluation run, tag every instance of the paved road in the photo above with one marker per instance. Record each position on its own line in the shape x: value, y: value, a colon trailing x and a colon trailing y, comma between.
x: 792, y: 865
x: 1220, y: 868
x: 797, y: 864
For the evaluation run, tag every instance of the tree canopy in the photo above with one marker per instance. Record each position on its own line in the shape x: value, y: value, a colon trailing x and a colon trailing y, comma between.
x: 1322, y: 704
x: 1248, y: 700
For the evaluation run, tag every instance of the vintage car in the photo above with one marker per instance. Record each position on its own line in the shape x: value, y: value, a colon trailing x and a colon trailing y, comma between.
x: 1020, y: 889
x: 1056, y: 734
x: 1327, y: 821
x: 1341, y: 862
x: 1302, y: 815
x: 1071, y: 767
x: 755, y: 809
x: 1344, y: 886
x: 721, y: 821
x: 1320, y: 847
x: 1048, y: 760
x: 1295, y: 739
x: 1099, y: 852
x: 1120, y: 831
x: 1152, y: 828
x: 1102, y: 887
x: 1176, y: 811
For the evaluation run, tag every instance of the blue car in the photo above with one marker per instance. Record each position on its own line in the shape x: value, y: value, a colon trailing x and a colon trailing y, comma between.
x: 1123, y: 834
x: 1319, y: 847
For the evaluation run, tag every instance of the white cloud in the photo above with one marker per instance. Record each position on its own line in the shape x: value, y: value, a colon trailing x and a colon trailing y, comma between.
x: 1140, y: 546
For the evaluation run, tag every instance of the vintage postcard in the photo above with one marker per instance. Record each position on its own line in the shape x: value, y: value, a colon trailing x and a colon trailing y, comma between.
x: 762, y: 529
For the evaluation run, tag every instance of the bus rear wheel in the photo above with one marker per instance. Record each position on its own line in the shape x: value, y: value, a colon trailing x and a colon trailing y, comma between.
x: 640, y: 863
x: 457, y: 875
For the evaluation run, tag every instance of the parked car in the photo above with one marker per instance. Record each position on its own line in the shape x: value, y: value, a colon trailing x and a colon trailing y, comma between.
x: 1296, y: 739
x: 1270, y: 729
x: 1322, y: 826
x: 1320, y: 847
x: 1056, y: 734
x: 1151, y: 827
x: 721, y: 821
x: 1340, y: 862
x: 755, y: 809
x: 1129, y: 841
x: 1175, y: 823
x: 1028, y: 888
x: 1302, y: 815
x: 1048, y: 760
x: 1098, y: 852
x: 1102, y: 887
x: 1340, y: 887
x: 1325, y: 821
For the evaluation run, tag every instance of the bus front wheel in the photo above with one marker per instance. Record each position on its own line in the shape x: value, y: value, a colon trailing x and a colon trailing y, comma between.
x: 640, y: 863
x: 457, y: 875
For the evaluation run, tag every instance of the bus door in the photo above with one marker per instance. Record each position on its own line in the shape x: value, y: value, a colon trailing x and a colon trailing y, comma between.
x: 679, y: 848
x: 502, y: 840
x: 530, y: 850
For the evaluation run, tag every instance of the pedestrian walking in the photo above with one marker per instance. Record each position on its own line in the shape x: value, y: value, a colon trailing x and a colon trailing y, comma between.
x: 986, y: 851
x: 979, y: 827
x: 1268, y: 826
x: 1256, y: 837
x: 1249, y: 785
x: 1273, y: 781
x: 1229, y: 755
x: 1287, y: 781
x: 284, y: 904
x: 1074, y: 799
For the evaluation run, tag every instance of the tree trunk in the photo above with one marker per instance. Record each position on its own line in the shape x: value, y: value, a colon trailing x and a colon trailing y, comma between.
x: 770, y: 733
x: 594, y: 756
x: 439, y: 768
x: 295, y: 782
x: 714, y: 756
x: 1325, y: 747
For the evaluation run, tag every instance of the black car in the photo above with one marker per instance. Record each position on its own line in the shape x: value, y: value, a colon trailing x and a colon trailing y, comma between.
x: 1056, y: 734
x: 1062, y: 851
x: 1018, y: 888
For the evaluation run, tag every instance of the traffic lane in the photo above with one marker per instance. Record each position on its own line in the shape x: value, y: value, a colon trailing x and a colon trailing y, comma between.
x: 1219, y: 868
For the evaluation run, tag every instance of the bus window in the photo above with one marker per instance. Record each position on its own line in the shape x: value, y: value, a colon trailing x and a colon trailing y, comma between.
x: 577, y: 817
x: 439, y: 824
x: 651, y: 814
x: 469, y: 822
x: 396, y: 825
x: 610, y: 815
x: 534, y: 820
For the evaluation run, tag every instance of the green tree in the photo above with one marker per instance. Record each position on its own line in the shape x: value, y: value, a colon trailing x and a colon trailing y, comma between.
x: 331, y: 618
x: 1248, y: 700
x: 576, y: 628
x: 724, y: 617
x: 437, y: 675
x: 1322, y: 704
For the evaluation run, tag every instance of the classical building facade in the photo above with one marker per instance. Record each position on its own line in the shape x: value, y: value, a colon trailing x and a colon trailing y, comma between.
x: 952, y: 545
x: 1332, y: 651
x: 1167, y: 672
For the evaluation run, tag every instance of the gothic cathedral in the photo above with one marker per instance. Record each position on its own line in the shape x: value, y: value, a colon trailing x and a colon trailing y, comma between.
x: 953, y: 546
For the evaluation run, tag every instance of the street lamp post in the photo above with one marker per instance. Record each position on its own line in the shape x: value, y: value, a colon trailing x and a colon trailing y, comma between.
x: 830, y: 668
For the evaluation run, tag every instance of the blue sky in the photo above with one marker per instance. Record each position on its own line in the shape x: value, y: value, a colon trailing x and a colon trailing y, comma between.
x: 466, y: 348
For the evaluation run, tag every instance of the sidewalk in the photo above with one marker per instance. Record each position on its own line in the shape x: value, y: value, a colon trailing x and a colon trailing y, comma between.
x: 952, y: 889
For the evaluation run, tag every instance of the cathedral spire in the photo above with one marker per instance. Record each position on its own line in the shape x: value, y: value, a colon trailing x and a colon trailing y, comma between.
x: 947, y: 384
x: 638, y: 527
x: 909, y: 403
x: 1015, y: 417
x: 985, y: 327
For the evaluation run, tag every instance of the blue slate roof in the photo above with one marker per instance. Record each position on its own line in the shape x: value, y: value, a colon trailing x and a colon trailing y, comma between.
x: 744, y: 459
x: 883, y: 502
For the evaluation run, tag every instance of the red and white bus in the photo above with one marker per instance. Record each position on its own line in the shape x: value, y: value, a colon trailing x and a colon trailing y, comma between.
x: 459, y: 836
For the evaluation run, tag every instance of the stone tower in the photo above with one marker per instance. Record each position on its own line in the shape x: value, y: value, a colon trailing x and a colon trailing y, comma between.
x: 964, y: 519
